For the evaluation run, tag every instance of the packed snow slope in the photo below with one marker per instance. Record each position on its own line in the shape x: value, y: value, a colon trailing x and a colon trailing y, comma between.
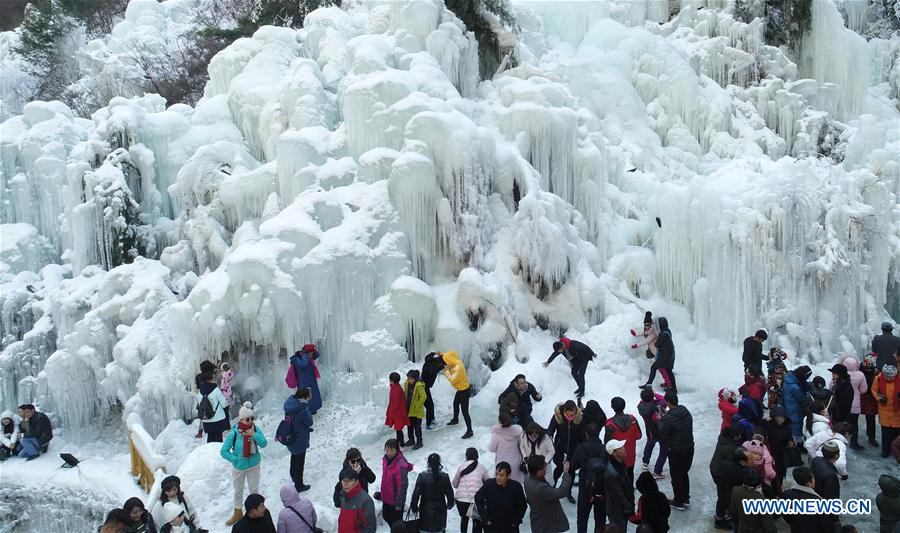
x: 354, y: 183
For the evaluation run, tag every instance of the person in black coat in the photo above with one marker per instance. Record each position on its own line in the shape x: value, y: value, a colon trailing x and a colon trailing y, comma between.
x: 525, y: 393
x: 721, y: 468
x: 779, y: 438
x: 430, y: 369
x: 256, y: 519
x: 353, y: 460
x: 36, y: 428
x: 433, y: 496
x: 677, y: 428
x: 653, y: 506
x: 578, y: 354
x: 590, y: 463
x: 886, y: 346
x: 617, y: 488
x: 828, y: 483
x: 804, y: 489
x: 501, y: 502
x: 842, y: 394
x: 564, y: 428
x: 141, y: 521
x: 591, y: 414
x: 753, y: 353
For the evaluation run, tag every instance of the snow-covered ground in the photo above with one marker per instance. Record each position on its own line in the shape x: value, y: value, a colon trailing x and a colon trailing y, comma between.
x: 702, y: 367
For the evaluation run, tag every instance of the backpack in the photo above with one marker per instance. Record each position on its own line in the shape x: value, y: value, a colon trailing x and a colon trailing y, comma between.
x: 593, y: 475
x: 290, y: 379
x: 205, y: 409
x: 285, y: 432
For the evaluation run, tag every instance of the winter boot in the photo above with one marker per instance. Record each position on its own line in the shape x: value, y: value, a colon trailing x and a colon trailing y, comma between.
x: 468, y: 434
x: 453, y: 422
x: 199, y: 434
x: 238, y: 514
x: 303, y: 488
x: 658, y: 476
x: 722, y: 523
x: 418, y: 446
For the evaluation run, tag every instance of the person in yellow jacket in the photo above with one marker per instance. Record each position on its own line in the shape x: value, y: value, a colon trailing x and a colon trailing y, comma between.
x: 415, y: 406
x: 886, y: 389
x: 455, y: 372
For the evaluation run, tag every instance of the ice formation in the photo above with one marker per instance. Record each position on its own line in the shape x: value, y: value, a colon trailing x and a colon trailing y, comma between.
x: 354, y: 184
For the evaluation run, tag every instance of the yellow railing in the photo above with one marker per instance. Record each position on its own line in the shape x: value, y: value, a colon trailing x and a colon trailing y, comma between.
x: 145, y: 463
x: 140, y: 471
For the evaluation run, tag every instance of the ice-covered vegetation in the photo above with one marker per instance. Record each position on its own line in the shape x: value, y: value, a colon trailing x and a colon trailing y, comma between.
x: 365, y: 184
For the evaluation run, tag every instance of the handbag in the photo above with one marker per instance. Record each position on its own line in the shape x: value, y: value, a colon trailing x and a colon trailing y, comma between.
x: 792, y: 457
x: 411, y: 525
x: 313, y: 528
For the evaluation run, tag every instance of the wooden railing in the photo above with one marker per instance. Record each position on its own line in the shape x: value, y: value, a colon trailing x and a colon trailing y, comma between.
x: 145, y: 462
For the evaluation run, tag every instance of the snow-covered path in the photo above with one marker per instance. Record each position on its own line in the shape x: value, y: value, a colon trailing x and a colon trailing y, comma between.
x: 702, y: 367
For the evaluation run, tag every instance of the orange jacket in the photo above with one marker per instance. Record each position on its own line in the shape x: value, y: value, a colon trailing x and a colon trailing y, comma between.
x: 889, y: 412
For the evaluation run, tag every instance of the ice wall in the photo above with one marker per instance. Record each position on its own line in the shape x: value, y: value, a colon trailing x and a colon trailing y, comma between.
x: 355, y: 184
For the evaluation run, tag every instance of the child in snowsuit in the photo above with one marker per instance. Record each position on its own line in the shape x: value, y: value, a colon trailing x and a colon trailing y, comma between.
x: 727, y: 406
x: 396, y: 416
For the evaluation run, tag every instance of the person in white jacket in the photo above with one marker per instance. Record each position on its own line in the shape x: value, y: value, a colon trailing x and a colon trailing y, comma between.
x: 9, y: 436
x: 468, y: 479
x: 534, y: 441
x: 840, y: 436
x: 817, y: 421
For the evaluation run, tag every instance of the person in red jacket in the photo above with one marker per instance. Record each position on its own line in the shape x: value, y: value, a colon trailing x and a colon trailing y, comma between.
x: 396, y: 416
x: 754, y: 386
x: 727, y: 406
x: 624, y: 427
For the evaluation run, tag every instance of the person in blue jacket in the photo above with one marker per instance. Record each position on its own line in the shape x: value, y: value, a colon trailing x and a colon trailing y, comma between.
x: 296, y: 407
x: 795, y: 389
x: 304, y: 366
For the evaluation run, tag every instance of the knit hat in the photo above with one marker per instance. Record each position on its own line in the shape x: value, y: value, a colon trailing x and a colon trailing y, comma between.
x: 171, y: 511
x: 349, y: 473
x: 889, y: 371
x: 648, y: 318
x: 614, y: 445
x: 727, y: 394
x: 754, y: 446
x: 887, y: 326
x: 246, y: 411
x: 868, y: 360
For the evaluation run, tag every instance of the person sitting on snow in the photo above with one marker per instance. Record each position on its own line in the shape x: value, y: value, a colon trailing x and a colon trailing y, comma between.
x: 9, y: 436
x: 36, y: 431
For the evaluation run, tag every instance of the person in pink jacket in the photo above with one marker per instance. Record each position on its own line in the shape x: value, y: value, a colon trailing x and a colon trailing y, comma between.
x: 860, y: 388
x: 470, y: 476
x: 225, y: 379
x: 762, y: 461
x: 505, y: 445
x: 298, y: 515
x: 394, y: 482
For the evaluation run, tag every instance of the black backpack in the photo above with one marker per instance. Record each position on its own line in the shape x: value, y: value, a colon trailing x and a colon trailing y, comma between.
x: 593, y: 475
x: 205, y: 409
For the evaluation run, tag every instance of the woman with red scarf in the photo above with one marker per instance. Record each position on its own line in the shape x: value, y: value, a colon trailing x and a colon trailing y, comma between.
x: 241, y: 449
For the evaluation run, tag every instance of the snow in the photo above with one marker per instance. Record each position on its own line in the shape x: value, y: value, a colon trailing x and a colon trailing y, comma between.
x: 355, y: 184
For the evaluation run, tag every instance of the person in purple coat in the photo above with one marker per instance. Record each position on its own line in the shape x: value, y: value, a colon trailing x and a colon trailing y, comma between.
x: 298, y: 515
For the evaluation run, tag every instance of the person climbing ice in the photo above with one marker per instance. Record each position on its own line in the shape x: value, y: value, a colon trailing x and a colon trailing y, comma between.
x: 578, y: 354
x: 304, y: 372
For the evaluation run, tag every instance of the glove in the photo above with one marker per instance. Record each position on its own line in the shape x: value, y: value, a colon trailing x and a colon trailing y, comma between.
x: 633, y: 346
x: 633, y: 333
x: 377, y: 495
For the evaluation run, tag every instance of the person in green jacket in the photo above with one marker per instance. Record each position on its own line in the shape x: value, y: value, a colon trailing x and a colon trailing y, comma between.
x: 888, y: 502
x: 750, y: 523
x: 415, y: 405
x: 241, y: 449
